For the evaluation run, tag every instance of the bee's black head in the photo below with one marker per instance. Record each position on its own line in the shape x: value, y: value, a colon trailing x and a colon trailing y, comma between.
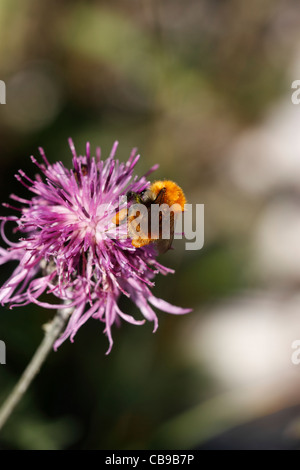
x: 138, y: 197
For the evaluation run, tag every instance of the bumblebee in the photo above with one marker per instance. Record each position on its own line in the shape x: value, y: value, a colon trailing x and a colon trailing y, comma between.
x: 164, y: 195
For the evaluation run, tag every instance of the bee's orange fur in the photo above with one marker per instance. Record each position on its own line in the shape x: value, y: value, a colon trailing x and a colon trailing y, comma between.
x: 173, y: 195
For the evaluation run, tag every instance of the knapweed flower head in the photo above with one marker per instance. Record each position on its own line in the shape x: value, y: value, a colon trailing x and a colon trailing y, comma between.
x: 69, y: 247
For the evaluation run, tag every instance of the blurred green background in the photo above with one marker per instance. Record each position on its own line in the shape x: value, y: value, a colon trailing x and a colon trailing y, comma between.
x: 203, y: 88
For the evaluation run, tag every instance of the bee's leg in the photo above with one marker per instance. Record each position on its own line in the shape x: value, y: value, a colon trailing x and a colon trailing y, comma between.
x: 139, y: 242
x: 120, y: 216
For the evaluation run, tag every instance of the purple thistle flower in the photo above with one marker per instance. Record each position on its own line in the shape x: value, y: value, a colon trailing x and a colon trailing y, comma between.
x: 70, y: 248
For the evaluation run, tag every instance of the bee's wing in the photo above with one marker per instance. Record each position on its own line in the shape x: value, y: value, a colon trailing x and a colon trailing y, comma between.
x: 160, y: 197
x: 164, y: 244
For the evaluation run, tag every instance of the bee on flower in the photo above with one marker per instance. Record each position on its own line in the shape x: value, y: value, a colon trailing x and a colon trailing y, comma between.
x: 74, y: 246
